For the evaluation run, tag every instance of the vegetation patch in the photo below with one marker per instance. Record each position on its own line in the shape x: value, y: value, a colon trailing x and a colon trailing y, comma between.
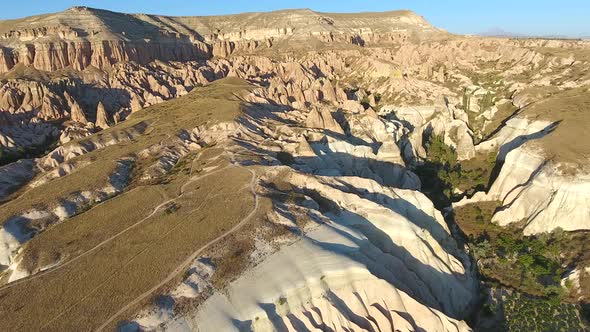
x: 528, y: 268
x: 527, y: 313
x: 442, y: 174
x: 531, y: 264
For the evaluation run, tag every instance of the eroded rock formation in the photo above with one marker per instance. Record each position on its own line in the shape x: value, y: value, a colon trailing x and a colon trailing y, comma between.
x: 332, y: 124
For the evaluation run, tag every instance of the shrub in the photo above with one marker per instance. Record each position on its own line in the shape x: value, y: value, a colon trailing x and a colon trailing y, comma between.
x: 171, y: 208
x: 439, y: 152
x: 489, y: 309
x: 486, y: 102
x: 365, y: 102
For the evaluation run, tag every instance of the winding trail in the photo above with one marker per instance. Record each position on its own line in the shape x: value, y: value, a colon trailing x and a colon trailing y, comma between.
x: 114, y: 274
x: 186, y: 263
x: 115, y: 236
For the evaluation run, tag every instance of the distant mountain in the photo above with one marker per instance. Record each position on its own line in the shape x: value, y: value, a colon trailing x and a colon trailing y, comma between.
x: 499, y: 32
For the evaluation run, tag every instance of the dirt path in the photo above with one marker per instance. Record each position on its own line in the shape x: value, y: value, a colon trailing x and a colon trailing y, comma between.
x: 115, y: 236
x: 180, y: 268
x: 110, y: 278
x: 79, y: 303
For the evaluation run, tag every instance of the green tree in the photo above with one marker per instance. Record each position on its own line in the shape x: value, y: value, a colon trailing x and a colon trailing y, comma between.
x: 441, y: 153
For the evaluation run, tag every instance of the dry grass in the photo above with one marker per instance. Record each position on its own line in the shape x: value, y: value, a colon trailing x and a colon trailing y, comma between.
x: 207, y: 105
x: 22, y: 71
x: 85, y: 292
x: 466, y: 218
x: 566, y: 144
x: 579, y: 53
x: 82, y: 232
x: 48, y: 196
x: 89, y: 290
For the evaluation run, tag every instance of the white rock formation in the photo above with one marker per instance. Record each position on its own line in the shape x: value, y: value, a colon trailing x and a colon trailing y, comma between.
x: 515, y: 132
x: 322, y: 118
x: 416, y: 121
x: 382, y: 260
x: 534, y: 190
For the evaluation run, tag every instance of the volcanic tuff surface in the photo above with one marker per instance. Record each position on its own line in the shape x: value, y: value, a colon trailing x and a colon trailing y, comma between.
x: 82, y: 37
x: 265, y: 171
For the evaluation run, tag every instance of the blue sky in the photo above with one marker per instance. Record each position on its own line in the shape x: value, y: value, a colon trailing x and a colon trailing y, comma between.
x: 541, y: 17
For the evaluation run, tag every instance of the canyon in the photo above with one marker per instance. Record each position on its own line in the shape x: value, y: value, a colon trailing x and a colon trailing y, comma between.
x: 288, y: 171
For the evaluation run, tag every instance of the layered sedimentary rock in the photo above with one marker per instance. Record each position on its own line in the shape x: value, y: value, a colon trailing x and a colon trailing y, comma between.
x: 378, y: 255
x: 81, y: 37
x: 372, y: 243
x: 76, y: 113
x: 537, y: 192
x: 399, y: 74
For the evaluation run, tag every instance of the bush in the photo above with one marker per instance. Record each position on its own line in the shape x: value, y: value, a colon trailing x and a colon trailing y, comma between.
x: 527, y: 313
x: 441, y: 153
x: 365, y: 102
x: 489, y: 309
x: 526, y: 260
x: 171, y: 208
x: 486, y: 102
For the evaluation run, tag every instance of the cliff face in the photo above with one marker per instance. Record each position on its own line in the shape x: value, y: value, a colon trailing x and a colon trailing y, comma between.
x: 29, y: 97
x: 81, y: 37
x: 120, y: 49
x: 79, y: 55
x: 544, y: 180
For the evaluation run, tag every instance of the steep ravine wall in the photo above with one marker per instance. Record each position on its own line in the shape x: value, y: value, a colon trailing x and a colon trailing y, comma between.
x: 79, y: 55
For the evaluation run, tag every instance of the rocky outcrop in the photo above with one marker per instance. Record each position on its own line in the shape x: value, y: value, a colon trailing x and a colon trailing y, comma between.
x: 102, y: 118
x: 80, y: 55
x: 356, y: 261
x: 83, y: 37
x: 378, y: 255
x: 223, y: 48
x: 414, y: 124
x: 535, y: 192
x: 26, y: 105
x: 76, y: 113
x: 129, y: 87
x: 398, y: 75
x: 458, y: 136
x: 322, y: 118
